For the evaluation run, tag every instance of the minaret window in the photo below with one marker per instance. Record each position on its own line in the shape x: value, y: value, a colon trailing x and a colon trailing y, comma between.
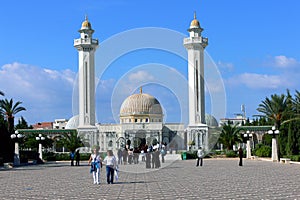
x: 86, y: 86
x: 197, y: 87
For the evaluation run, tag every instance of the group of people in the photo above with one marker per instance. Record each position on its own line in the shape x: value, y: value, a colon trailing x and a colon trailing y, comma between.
x: 96, y: 164
x: 150, y: 155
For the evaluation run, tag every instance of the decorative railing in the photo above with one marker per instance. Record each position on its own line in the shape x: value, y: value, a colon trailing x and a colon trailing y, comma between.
x: 85, y: 41
x: 202, y: 40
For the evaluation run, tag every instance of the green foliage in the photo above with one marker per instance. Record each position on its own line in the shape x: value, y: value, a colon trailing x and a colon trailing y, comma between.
x: 70, y: 140
x: 30, y: 142
x: 22, y: 124
x: 262, y: 150
x: 275, y: 108
x: 9, y: 109
x: 295, y: 158
x: 230, y: 135
x: 267, y: 140
x: 231, y: 154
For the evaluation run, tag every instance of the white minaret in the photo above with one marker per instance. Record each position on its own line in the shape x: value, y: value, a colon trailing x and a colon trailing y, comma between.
x: 195, y: 45
x: 86, y: 47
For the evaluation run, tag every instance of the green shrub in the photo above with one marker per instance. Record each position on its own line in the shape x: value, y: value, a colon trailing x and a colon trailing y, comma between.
x: 295, y: 158
x: 262, y: 151
x: 231, y: 154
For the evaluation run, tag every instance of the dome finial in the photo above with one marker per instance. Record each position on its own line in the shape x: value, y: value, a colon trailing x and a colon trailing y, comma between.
x: 195, y: 17
x: 141, y: 90
x: 86, y: 24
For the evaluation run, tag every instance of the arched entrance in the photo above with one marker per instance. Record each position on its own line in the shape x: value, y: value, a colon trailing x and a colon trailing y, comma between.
x: 140, y: 139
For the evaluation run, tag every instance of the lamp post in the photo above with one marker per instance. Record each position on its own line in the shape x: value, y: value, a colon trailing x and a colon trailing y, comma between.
x: 274, y: 132
x: 16, y: 136
x: 40, y: 138
x: 248, y: 135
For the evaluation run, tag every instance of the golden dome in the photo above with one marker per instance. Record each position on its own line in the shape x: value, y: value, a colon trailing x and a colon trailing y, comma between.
x: 138, y: 104
x: 195, y: 23
x: 86, y: 24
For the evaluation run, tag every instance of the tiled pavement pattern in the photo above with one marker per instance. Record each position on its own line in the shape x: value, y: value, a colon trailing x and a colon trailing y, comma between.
x: 217, y: 179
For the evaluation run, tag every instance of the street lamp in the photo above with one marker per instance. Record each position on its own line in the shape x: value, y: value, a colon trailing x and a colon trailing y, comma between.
x: 15, y: 136
x: 40, y: 138
x: 274, y: 132
x: 248, y: 135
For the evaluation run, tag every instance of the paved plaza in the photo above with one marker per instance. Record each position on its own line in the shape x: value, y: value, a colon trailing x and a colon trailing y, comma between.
x: 176, y: 179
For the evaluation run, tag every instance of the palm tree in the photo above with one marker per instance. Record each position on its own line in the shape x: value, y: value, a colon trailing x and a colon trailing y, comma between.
x: 230, y: 135
x: 296, y: 102
x: 277, y: 108
x: 71, y: 140
x: 9, y: 109
x: 1, y: 93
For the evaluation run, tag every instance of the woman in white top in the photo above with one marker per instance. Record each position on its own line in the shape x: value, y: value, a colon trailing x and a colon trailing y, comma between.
x: 111, y: 164
x: 96, y: 164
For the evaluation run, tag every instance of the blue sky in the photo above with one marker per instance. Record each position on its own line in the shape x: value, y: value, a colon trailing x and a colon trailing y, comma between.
x: 254, y: 45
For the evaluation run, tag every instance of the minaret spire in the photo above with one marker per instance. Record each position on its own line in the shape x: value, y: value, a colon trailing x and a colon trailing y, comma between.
x: 141, y: 90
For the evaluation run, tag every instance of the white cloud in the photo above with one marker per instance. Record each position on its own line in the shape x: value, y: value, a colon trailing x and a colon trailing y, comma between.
x: 226, y: 66
x: 282, y: 61
x: 258, y: 81
x: 46, y: 94
x: 140, y: 76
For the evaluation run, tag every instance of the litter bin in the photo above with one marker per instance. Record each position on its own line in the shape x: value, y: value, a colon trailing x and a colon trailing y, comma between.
x: 183, y: 155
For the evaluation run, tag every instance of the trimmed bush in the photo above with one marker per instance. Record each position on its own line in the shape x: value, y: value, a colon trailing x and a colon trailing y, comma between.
x: 263, y: 151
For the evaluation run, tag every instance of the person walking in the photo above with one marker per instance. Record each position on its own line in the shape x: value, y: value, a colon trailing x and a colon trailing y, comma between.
x: 111, y: 165
x: 163, y: 153
x: 125, y: 155
x: 72, y: 156
x: 120, y: 156
x: 241, y: 154
x: 96, y: 164
x: 77, y: 157
x: 200, y: 155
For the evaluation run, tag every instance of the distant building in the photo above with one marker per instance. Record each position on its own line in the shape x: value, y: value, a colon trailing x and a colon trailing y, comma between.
x: 43, y: 125
x: 239, y: 120
x: 60, y: 124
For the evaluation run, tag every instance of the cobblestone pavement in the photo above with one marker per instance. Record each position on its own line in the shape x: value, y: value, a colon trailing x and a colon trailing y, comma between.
x: 216, y: 179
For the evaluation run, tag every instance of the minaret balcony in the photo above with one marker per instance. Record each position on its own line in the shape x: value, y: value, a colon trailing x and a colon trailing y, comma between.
x: 196, y: 40
x: 85, y: 41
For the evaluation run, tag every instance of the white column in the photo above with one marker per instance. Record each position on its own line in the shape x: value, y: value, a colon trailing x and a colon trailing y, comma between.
x: 40, y: 151
x: 248, y: 149
x: 16, y: 156
x: 274, y: 150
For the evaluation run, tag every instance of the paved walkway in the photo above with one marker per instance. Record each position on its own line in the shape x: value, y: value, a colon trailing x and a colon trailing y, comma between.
x: 177, y: 179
